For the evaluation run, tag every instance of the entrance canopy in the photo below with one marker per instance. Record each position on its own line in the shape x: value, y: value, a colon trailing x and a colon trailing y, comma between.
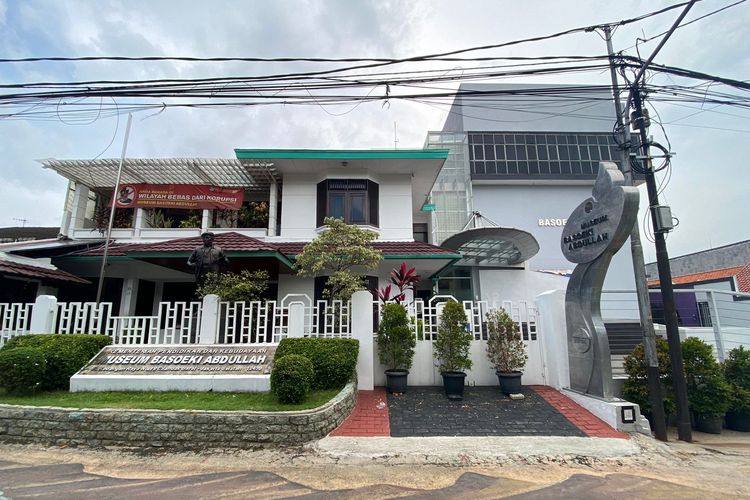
x: 492, y: 246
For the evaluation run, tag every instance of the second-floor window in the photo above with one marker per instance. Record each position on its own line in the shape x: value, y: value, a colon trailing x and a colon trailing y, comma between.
x: 355, y: 201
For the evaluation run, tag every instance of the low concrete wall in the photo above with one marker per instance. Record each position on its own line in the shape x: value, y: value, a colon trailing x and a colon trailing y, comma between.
x: 180, y: 430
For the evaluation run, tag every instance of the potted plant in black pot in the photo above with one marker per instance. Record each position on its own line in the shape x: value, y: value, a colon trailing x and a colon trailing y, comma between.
x: 452, y: 349
x: 396, y: 344
x: 737, y: 373
x: 707, y: 390
x: 505, y: 350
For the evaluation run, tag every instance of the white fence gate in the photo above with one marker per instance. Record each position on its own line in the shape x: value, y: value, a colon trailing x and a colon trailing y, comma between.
x: 425, y: 320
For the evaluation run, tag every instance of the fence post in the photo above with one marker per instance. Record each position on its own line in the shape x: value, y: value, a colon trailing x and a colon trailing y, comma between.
x: 716, y: 324
x: 551, y: 329
x: 296, y: 320
x: 43, y: 314
x: 209, y: 320
x: 361, y: 318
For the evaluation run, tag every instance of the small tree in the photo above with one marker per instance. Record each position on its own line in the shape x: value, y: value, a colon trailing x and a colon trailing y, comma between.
x: 396, y: 341
x: 737, y: 373
x: 453, y: 340
x: 232, y: 287
x: 635, y: 388
x: 338, y: 252
x: 505, y: 348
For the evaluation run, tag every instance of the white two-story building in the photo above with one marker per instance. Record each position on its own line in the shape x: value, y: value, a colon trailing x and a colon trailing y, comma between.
x: 284, y: 197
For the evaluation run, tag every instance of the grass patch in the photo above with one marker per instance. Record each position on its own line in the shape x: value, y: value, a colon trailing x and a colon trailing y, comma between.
x: 245, y: 401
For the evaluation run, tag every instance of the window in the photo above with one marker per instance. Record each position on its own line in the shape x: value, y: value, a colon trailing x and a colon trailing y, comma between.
x: 355, y: 201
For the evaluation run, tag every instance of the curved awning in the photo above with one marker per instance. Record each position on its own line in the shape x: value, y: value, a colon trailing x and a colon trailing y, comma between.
x: 492, y: 246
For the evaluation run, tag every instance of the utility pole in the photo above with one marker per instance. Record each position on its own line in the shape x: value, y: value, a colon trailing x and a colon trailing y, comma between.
x: 661, y: 227
x: 115, y: 192
x: 639, y: 265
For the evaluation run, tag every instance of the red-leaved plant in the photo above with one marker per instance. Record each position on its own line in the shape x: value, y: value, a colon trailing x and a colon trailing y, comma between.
x: 404, y: 278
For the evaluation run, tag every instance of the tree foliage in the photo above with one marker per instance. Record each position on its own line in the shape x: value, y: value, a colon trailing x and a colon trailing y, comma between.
x: 233, y: 287
x: 708, y: 392
x: 341, y: 252
x: 737, y: 373
x: 635, y: 388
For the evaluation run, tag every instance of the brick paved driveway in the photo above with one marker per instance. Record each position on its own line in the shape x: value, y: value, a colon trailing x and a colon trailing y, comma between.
x: 484, y: 411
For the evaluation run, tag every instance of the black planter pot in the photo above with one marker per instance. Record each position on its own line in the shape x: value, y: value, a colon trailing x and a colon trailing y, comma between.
x: 453, y: 382
x: 395, y: 380
x: 738, y: 421
x: 510, y: 382
x: 708, y: 423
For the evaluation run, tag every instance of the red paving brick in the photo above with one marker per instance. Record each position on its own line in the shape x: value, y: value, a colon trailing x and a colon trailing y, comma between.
x: 369, y: 418
x: 579, y: 416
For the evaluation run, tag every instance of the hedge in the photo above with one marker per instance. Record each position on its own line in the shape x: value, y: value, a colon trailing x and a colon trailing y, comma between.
x: 22, y: 370
x: 291, y: 378
x: 64, y: 354
x: 334, y: 360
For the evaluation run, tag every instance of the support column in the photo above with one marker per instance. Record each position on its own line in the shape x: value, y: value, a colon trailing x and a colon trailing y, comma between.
x: 138, y: 222
x: 716, y: 324
x: 272, y: 202
x: 205, y: 220
x: 361, y: 317
x: 128, y: 296
x: 78, y: 208
x: 209, y: 320
x: 43, y: 314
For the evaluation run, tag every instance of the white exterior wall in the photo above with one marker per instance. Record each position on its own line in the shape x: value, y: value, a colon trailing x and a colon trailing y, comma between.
x: 395, y: 208
x: 521, y: 207
x: 499, y: 285
x: 298, y: 206
x: 290, y: 284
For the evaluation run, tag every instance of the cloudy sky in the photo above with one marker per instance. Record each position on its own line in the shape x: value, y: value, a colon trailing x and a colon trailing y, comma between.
x: 708, y: 189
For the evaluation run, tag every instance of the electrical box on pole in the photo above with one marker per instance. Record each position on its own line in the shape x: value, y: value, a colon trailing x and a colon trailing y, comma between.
x: 662, y: 217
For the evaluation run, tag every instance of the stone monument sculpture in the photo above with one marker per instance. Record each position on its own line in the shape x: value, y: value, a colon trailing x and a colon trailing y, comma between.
x: 595, y: 230
x: 208, y: 258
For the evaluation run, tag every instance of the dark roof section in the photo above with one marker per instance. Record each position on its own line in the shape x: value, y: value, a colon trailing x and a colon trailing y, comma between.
x: 723, y: 257
x: 33, y: 272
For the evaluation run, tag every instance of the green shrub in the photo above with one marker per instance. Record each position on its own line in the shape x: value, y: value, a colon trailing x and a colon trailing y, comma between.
x: 708, y: 392
x: 396, y: 341
x: 291, y: 378
x: 22, y: 370
x: 635, y: 388
x: 453, y: 340
x: 505, y: 348
x: 64, y: 354
x: 334, y: 360
x: 737, y: 373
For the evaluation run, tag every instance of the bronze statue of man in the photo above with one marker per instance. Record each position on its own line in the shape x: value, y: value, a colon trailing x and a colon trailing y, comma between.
x: 208, y: 258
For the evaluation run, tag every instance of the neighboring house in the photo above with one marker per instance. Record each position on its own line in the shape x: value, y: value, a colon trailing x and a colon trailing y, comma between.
x: 22, y: 278
x: 726, y: 269
x: 263, y: 206
x: 524, y: 156
x: 16, y: 234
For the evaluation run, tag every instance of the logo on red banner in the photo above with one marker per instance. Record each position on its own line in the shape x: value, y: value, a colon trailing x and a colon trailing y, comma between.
x: 186, y: 196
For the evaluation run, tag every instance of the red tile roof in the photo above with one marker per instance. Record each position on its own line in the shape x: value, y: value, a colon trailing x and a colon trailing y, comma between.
x: 231, y: 242
x: 701, y: 277
x: 239, y: 243
x: 43, y: 273
x: 387, y: 247
x: 743, y: 279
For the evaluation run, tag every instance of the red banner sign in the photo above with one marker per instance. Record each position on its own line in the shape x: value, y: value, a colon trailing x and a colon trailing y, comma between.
x: 190, y: 196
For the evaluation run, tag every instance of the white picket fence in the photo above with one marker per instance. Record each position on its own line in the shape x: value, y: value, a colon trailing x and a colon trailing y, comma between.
x: 180, y: 322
